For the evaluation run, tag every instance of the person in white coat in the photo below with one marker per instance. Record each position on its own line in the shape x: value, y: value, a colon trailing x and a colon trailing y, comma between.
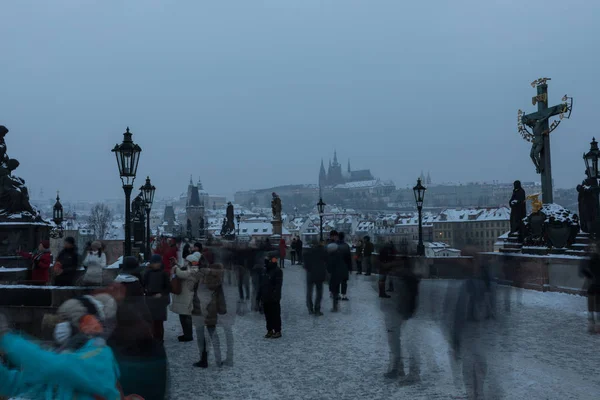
x: 94, y: 262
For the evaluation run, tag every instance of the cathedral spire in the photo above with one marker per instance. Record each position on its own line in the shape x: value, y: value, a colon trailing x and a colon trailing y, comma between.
x: 349, y: 169
x: 200, y: 187
x: 335, y: 160
x: 191, y: 180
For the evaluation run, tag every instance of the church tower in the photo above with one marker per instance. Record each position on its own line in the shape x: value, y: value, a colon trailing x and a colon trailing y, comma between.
x: 322, y: 175
x: 194, y: 211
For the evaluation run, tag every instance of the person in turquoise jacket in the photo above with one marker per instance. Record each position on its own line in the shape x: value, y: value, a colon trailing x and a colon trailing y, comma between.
x: 82, y: 368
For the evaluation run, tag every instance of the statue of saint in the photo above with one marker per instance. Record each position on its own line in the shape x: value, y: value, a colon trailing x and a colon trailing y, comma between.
x: 276, y: 207
x: 537, y: 141
x: 518, y: 208
x: 230, y: 221
x: 14, y: 196
x: 588, y: 203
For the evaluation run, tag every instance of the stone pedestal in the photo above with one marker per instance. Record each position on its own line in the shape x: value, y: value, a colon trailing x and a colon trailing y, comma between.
x: 15, y: 236
x: 277, y: 227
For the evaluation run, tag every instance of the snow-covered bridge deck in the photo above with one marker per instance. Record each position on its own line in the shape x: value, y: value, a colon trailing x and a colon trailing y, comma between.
x: 541, y: 350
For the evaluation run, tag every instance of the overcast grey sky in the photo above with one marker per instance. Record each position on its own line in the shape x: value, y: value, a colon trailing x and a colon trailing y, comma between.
x: 249, y: 94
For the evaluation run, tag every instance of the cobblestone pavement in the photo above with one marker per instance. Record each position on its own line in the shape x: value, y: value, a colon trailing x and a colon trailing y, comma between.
x: 538, y: 351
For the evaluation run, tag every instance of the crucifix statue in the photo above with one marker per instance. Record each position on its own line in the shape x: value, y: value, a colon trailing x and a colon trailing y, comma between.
x: 539, y: 137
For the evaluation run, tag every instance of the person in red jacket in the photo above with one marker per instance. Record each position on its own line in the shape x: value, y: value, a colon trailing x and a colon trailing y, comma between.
x: 168, y: 251
x: 282, y: 252
x: 41, y: 261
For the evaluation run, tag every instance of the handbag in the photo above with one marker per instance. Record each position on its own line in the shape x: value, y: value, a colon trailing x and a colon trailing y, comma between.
x: 176, y: 285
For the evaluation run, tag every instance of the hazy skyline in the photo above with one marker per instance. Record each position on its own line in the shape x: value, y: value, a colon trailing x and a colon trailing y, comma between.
x: 252, y: 94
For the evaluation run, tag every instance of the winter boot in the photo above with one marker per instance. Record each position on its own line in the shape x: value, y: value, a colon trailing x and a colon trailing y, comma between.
x: 269, y: 335
x: 184, y: 338
x: 382, y: 292
x: 396, y: 370
x: 203, y: 363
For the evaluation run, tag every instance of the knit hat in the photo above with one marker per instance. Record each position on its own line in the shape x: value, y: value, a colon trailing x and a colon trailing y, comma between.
x: 70, y: 240
x: 194, y: 258
x: 45, y: 244
x: 102, y: 306
x: 130, y: 265
x: 198, y: 245
x: 156, y: 259
x: 96, y: 245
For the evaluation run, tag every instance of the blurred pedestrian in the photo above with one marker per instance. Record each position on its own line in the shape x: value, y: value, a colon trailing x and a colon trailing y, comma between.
x: 299, y: 251
x: 157, y: 288
x: 367, y: 253
x: 591, y: 271
x: 346, y: 257
x: 293, y: 251
x: 67, y: 262
x: 82, y: 367
x: 270, y: 296
x: 358, y: 256
x: 316, y: 273
x: 182, y: 302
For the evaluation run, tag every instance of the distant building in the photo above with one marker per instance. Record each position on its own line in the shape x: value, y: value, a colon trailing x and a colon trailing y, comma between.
x: 194, y: 211
x: 477, y: 227
x: 334, y: 175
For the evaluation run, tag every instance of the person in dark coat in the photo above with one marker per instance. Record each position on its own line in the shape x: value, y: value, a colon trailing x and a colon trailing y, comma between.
x: 358, y: 256
x: 293, y: 251
x: 518, y: 208
x: 316, y: 273
x: 271, y: 283
x: 142, y: 359
x: 157, y: 287
x: 386, y: 259
x: 67, y: 262
x: 591, y: 271
x: 368, y: 252
x: 299, y: 251
x: 346, y: 256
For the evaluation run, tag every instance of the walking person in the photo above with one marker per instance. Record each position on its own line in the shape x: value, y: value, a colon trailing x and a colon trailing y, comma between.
x: 358, y: 256
x: 208, y: 304
x: 367, y: 253
x: 335, y: 268
x: 157, y: 288
x: 270, y: 296
x: 346, y: 257
x: 293, y: 251
x: 399, y: 309
x: 141, y: 359
x: 282, y: 253
x: 591, y: 271
x: 94, y: 263
x: 386, y: 258
x: 316, y: 273
x: 67, y: 262
x: 299, y: 251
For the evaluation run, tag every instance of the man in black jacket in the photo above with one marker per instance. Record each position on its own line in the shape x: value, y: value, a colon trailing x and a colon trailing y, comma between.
x: 271, y: 283
x: 316, y: 273
x: 67, y: 263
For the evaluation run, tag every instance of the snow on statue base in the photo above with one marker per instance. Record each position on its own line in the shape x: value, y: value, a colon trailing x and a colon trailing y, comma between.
x: 20, y: 232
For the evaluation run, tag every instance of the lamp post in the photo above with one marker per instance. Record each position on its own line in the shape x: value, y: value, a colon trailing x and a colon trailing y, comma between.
x: 128, y: 157
x: 57, y: 216
x: 148, y: 194
x: 239, y: 220
x: 321, y: 208
x: 591, y: 167
x: 419, y: 192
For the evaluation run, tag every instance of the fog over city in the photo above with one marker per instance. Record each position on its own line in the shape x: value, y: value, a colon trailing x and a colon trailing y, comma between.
x: 252, y: 94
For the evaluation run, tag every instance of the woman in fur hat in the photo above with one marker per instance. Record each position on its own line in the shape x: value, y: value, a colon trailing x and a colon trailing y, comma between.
x: 83, y: 367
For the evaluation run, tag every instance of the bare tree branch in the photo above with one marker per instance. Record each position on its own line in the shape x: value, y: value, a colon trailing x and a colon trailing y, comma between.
x: 100, y: 220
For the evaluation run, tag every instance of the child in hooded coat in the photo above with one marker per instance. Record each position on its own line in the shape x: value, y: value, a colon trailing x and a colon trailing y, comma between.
x: 83, y: 367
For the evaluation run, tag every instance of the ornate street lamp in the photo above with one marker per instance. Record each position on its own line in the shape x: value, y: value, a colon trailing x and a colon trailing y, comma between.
x: 419, y: 192
x: 148, y: 190
x: 57, y: 216
x: 128, y: 158
x: 321, y: 208
x: 239, y: 220
x: 591, y: 159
